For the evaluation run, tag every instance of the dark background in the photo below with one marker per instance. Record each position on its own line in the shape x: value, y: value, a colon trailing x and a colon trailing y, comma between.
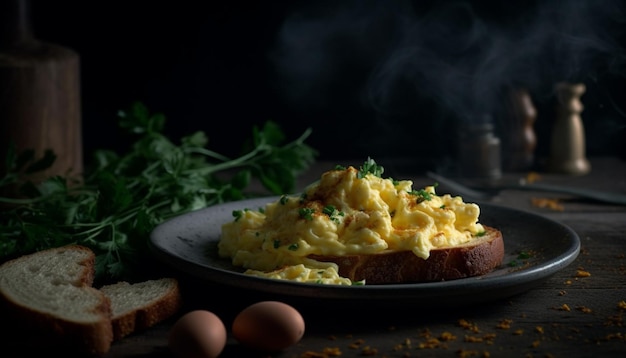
x: 371, y: 78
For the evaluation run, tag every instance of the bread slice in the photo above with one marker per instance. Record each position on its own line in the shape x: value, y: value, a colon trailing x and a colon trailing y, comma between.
x: 137, y: 306
x: 50, y: 293
x: 477, y: 257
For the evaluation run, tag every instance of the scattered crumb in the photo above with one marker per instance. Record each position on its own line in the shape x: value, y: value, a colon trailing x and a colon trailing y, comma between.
x: 539, y: 329
x: 563, y: 307
x: 369, y: 351
x: 489, y: 336
x: 326, y: 352
x: 584, y: 309
x: 430, y: 343
x: 447, y: 336
x: 505, y: 324
x: 473, y: 339
x: 582, y: 273
x: 464, y: 353
x: 615, y: 320
x: 617, y: 336
x: 468, y: 325
x: 356, y: 344
x: 545, y: 203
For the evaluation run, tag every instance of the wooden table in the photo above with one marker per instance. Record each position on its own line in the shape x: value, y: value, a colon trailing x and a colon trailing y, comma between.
x: 568, y: 315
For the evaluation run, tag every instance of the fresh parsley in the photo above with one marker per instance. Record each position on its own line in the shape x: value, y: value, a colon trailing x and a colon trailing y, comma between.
x: 306, y: 213
x: 333, y: 214
x: 113, y: 207
x: 422, y: 195
x: 370, y: 167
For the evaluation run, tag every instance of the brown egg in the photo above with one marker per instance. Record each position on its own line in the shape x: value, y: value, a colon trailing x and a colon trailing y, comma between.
x: 198, y: 334
x: 268, y: 326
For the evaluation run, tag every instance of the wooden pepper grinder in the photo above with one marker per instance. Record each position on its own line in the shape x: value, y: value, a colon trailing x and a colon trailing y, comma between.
x: 40, y: 105
x: 520, y: 134
x: 567, y: 148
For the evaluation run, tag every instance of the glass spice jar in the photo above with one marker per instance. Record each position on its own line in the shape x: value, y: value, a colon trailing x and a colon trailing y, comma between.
x: 479, y: 149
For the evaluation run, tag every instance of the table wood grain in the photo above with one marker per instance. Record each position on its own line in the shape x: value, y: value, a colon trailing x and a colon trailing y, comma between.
x: 577, y: 312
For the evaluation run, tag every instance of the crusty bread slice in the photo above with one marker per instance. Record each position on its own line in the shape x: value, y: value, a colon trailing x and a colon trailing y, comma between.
x: 477, y: 257
x: 138, y: 306
x: 50, y: 293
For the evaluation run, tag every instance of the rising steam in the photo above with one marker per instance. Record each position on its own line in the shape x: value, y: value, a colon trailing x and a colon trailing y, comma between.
x: 448, y: 53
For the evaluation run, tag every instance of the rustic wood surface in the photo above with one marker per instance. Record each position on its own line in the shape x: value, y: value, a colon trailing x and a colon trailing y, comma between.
x: 568, y: 315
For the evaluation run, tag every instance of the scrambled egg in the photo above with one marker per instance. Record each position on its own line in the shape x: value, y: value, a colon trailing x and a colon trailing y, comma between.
x: 348, y: 211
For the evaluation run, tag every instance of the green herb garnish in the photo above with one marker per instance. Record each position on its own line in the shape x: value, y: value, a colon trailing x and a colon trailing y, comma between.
x: 422, y: 195
x: 306, y: 213
x: 333, y: 213
x: 329, y: 210
x: 523, y: 255
x: 237, y: 214
x: 370, y: 167
x: 121, y: 197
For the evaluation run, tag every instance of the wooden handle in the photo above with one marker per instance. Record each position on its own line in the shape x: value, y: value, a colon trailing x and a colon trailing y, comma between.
x: 15, y: 26
x: 40, y: 103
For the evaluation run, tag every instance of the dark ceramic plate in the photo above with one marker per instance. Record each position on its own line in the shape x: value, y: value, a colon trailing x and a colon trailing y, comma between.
x: 535, y: 248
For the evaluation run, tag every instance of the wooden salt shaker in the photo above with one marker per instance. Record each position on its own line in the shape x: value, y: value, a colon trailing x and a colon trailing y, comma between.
x: 40, y: 105
x: 567, y: 147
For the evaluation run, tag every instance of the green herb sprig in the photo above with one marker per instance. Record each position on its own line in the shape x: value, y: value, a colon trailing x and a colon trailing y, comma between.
x: 370, y: 167
x: 120, y: 198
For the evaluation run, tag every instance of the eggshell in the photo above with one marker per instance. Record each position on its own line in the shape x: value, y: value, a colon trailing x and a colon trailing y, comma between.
x: 268, y: 326
x: 198, y: 334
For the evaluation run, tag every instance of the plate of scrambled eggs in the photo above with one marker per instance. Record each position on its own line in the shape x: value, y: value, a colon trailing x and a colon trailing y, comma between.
x: 270, y: 244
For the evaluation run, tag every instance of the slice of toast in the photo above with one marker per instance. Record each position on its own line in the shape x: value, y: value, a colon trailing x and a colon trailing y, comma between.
x: 137, y: 306
x: 49, y: 296
x: 49, y: 293
x: 477, y: 257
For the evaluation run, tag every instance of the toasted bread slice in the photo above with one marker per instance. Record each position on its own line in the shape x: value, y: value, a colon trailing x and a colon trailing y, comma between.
x: 49, y: 295
x: 49, y: 292
x: 477, y: 257
x: 141, y: 305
